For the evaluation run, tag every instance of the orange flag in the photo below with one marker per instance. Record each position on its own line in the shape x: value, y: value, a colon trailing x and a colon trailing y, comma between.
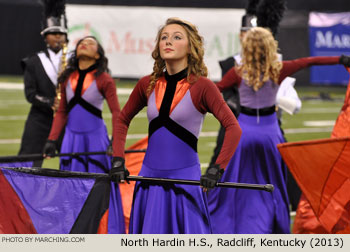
x: 133, y: 162
x: 342, y: 125
x: 322, y: 170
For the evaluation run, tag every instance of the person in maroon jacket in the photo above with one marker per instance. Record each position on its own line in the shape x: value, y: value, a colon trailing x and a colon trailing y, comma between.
x: 257, y: 159
x: 178, y: 95
x: 84, y: 85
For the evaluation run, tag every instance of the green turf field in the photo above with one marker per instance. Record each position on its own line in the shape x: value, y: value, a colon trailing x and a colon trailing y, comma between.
x: 314, y: 121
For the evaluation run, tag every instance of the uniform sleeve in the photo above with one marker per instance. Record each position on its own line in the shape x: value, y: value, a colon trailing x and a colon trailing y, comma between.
x: 61, y: 116
x: 292, y: 66
x: 207, y: 98
x: 231, y: 78
x: 137, y: 101
x: 31, y: 89
x: 109, y: 91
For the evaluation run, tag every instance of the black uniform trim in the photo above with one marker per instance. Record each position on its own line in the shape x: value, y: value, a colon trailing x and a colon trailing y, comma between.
x: 256, y: 112
x: 163, y: 120
x: 77, y: 99
x: 174, y: 128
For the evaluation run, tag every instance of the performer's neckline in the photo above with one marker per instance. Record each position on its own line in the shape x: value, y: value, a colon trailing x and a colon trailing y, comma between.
x: 89, y: 69
x: 176, y: 77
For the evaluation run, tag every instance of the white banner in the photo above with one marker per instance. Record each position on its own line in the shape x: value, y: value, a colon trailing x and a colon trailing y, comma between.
x: 128, y: 34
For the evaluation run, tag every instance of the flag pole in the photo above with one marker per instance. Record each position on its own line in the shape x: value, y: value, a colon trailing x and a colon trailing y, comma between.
x: 262, y: 187
x: 60, y: 173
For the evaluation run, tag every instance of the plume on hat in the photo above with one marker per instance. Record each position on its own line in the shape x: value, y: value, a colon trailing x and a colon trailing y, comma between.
x: 251, y: 7
x: 54, y: 8
x: 270, y: 13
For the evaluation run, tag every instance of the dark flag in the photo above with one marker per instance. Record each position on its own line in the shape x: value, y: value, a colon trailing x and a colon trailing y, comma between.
x: 47, y: 201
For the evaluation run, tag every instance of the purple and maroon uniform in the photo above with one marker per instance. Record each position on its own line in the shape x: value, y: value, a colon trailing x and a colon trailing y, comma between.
x: 176, y: 111
x: 80, y: 112
x: 256, y: 160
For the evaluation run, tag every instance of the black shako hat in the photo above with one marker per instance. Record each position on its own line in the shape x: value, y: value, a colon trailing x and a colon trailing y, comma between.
x: 54, y: 17
x: 249, y: 20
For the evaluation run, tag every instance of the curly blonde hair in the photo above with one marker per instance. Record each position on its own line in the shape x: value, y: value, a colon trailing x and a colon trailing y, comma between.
x: 259, y: 58
x: 196, y: 64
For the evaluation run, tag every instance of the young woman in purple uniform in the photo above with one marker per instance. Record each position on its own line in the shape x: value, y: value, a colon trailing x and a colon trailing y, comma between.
x: 257, y: 159
x: 177, y: 95
x: 85, y: 84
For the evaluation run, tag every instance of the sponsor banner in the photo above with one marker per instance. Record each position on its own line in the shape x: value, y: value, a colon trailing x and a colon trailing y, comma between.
x: 128, y: 34
x: 329, y: 35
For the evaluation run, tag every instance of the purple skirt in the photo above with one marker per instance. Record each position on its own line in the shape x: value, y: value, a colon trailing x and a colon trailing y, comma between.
x: 96, y: 140
x: 86, y: 132
x: 258, y: 161
x: 169, y: 209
